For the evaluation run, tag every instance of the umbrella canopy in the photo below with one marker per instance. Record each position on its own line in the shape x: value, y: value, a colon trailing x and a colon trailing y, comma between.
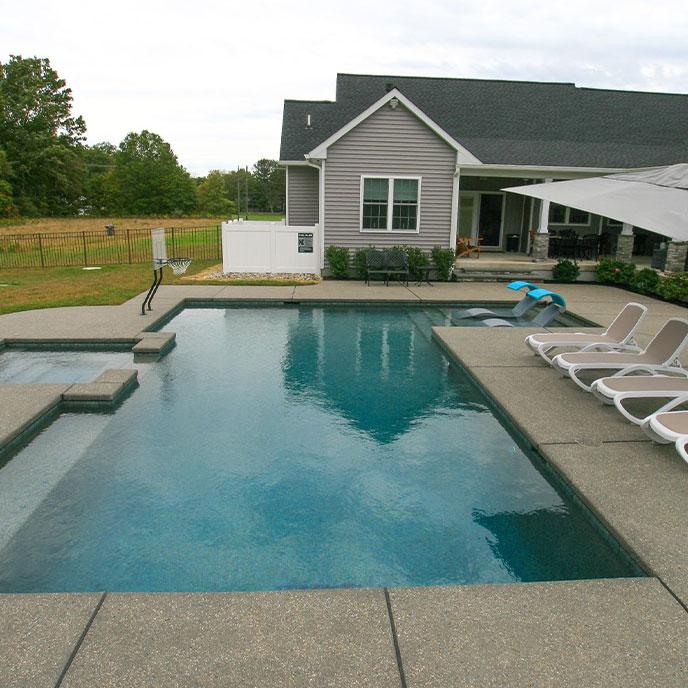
x: 655, y: 199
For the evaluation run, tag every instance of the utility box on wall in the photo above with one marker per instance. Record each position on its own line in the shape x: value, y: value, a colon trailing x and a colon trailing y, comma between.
x: 270, y: 247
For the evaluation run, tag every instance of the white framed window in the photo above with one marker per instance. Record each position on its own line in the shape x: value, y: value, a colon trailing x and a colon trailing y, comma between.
x: 561, y: 215
x: 390, y: 204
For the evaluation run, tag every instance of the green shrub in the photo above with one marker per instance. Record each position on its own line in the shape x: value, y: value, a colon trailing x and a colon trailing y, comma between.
x: 566, y: 271
x: 645, y: 281
x: 443, y: 258
x: 673, y: 287
x: 337, y: 258
x: 416, y: 259
x: 360, y: 261
x: 615, y: 271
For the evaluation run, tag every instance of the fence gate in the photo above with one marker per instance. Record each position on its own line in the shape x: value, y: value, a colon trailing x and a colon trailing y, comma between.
x: 270, y: 247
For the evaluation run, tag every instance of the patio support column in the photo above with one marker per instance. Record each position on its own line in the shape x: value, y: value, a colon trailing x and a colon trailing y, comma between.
x: 624, y: 244
x: 456, y: 184
x: 541, y: 238
x: 677, y: 252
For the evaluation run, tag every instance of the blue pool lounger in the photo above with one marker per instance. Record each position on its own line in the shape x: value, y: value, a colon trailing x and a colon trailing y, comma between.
x: 543, y: 318
x: 529, y: 300
x: 519, y: 284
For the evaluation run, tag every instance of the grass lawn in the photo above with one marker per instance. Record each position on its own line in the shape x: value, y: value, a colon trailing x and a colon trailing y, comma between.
x: 26, y: 289
x: 34, y: 225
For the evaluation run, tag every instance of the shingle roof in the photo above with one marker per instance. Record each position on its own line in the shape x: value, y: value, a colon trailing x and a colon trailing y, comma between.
x: 513, y: 122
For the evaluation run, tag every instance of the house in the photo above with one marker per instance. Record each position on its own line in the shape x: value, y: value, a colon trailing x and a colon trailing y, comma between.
x: 420, y: 160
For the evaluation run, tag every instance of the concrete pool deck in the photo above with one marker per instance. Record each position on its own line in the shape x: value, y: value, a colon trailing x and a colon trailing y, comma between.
x: 621, y: 632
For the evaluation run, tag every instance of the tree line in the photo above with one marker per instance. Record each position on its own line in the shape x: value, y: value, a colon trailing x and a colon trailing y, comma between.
x: 47, y: 168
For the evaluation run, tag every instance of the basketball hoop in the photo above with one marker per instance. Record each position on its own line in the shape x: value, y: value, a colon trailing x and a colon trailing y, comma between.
x: 179, y: 265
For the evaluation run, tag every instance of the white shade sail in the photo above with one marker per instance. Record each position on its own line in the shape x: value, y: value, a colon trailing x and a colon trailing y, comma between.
x: 655, y: 199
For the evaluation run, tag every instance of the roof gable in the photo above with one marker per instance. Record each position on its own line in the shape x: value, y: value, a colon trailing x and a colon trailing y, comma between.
x: 463, y: 154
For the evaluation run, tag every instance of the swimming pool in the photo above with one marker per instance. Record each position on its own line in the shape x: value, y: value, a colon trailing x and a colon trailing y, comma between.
x: 292, y: 447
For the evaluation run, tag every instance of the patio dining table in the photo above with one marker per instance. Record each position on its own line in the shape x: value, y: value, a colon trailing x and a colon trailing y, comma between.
x: 576, y: 247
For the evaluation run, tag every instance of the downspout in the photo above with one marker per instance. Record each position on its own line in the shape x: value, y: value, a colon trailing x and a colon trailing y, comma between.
x: 286, y: 195
x: 321, y: 206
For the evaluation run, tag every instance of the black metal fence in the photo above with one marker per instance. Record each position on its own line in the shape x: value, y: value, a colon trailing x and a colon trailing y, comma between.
x: 130, y: 246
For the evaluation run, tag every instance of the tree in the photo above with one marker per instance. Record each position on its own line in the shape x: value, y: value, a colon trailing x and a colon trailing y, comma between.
x: 213, y: 198
x: 98, y: 161
x: 40, y: 137
x: 238, y: 185
x: 6, y: 201
x: 270, y: 180
x: 148, y: 180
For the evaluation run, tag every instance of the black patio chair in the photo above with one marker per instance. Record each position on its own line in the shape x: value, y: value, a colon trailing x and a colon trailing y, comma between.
x: 588, y: 247
x: 375, y: 264
x: 396, y: 263
x: 604, y: 244
x: 568, y: 247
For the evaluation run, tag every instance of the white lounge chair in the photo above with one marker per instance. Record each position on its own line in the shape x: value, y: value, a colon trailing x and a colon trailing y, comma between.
x: 659, y: 356
x: 617, y: 337
x: 666, y: 428
x: 619, y: 388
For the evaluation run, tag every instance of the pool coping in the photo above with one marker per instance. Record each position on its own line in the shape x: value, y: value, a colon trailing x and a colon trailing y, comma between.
x: 411, y: 668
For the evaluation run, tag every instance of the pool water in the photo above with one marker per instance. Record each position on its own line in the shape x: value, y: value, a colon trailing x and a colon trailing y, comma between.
x: 292, y: 447
x: 17, y: 366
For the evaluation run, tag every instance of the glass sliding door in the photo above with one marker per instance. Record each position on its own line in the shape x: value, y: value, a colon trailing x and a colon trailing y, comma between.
x: 490, y: 219
x: 467, y: 208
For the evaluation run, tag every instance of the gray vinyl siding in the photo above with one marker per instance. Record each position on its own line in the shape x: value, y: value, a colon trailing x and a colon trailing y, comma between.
x: 302, y: 195
x: 389, y: 142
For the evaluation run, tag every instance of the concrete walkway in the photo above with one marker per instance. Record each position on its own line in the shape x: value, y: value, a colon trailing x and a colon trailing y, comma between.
x: 622, y: 632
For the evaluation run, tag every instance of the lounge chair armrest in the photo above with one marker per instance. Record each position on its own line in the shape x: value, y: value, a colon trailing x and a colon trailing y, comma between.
x: 598, y: 346
x: 670, y: 405
x: 603, y: 346
x: 651, y: 370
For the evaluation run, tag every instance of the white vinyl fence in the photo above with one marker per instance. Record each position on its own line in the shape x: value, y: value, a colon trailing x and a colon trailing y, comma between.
x: 270, y: 247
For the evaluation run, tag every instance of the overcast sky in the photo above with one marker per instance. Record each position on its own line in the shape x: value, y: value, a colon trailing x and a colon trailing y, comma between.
x: 210, y: 77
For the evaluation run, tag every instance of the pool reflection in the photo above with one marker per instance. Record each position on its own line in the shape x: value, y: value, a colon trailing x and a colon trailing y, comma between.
x: 381, y: 375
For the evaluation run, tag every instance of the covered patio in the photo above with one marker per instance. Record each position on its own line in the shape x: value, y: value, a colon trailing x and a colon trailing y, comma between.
x: 514, y: 229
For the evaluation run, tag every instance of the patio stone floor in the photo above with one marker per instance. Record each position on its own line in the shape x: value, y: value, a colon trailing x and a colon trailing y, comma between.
x: 621, y: 632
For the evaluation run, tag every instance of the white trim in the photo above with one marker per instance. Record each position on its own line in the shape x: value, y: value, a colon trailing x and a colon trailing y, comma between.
x: 540, y: 171
x: 453, y: 229
x: 292, y: 162
x: 390, y: 204
x: 321, y: 150
x: 286, y: 195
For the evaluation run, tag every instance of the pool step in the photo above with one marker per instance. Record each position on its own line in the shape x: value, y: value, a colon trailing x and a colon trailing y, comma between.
x: 153, y: 345
x: 106, y: 391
